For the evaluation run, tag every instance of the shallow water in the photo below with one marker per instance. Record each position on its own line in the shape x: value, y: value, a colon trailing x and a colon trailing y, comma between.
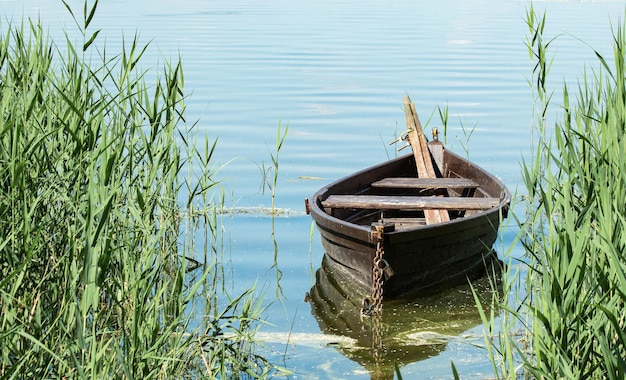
x: 336, y: 73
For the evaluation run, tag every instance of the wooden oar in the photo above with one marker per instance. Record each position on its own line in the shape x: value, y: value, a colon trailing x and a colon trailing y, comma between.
x: 423, y: 160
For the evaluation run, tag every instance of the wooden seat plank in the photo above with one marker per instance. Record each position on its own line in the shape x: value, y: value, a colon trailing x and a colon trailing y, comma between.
x: 426, y: 183
x: 409, y: 202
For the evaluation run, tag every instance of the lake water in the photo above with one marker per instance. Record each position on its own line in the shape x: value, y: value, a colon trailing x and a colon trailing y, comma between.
x: 336, y: 73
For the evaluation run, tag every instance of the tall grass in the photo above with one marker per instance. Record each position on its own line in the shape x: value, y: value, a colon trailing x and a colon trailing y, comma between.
x: 94, y: 203
x: 573, y: 314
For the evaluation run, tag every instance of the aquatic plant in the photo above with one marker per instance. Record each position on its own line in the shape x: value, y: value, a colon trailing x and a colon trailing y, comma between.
x: 270, y: 173
x: 99, y: 186
x: 571, y: 316
x: 270, y: 181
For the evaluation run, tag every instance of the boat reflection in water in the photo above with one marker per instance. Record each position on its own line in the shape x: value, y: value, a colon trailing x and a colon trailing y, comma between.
x: 408, y: 331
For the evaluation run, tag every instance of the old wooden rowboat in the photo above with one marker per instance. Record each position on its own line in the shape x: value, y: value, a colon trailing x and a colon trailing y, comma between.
x: 422, y: 257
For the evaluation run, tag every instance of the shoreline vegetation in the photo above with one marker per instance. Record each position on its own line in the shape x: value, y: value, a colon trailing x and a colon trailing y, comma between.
x: 564, y: 312
x: 103, y: 193
x: 102, y: 197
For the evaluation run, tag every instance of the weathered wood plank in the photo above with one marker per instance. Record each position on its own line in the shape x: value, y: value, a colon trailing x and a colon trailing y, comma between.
x: 408, y: 202
x: 407, y: 220
x: 418, y: 141
x: 413, y: 136
x: 406, y: 223
x: 426, y: 183
x: 422, y: 156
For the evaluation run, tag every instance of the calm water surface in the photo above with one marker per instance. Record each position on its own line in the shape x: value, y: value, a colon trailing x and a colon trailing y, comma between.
x: 336, y: 72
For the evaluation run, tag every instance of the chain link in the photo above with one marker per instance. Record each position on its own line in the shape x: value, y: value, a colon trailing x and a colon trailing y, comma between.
x: 377, y: 293
x: 377, y: 274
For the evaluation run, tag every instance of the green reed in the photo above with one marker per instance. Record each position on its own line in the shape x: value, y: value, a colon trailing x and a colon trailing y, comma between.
x: 100, y: 189
x: 270, y: 173
x: 572, y: 308
x: 270, y: 182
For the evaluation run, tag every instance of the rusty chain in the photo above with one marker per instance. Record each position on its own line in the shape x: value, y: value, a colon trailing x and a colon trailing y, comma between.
x: 377, y: 291
x: 377, y: 274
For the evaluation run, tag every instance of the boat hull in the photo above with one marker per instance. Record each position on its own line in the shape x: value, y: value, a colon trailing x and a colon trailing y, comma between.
x: 424, y: 258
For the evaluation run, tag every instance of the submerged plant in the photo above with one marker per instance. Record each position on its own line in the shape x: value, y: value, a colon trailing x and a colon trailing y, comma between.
x: 94, y: 273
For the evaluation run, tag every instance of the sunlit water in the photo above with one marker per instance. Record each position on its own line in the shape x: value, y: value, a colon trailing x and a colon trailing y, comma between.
x: 336, y: 73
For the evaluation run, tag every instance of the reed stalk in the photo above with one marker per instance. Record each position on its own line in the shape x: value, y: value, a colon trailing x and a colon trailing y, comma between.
x: 95, y: 268
x: 270, y: 182
x: 571, y: 308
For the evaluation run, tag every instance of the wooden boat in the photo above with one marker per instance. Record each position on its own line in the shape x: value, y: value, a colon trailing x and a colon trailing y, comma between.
x: 425, y: 253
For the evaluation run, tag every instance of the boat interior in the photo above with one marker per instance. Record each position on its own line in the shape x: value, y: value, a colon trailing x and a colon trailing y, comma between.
x: 406, y: 216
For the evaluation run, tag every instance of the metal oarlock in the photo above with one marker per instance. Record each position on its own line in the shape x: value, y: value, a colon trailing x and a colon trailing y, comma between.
x: 435, y: 132
x: 404, y: 136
